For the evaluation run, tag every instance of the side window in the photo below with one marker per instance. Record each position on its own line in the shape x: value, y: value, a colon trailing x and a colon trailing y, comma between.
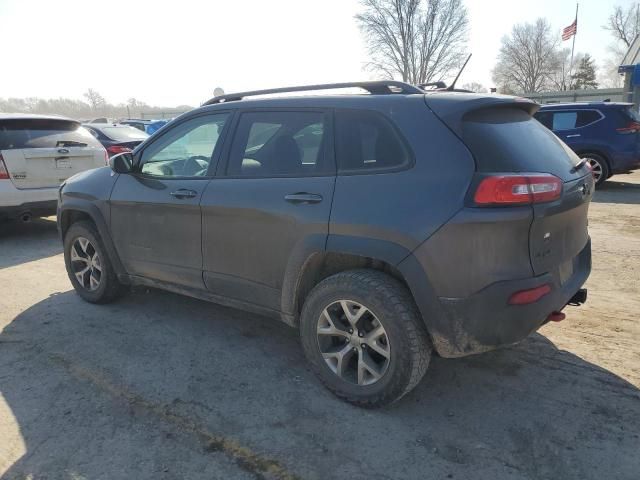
x: 545, y: 118
x: 564, y: 120
x: 279, y: 144
x: 367, y: 141
x: 186, y: 150
x: 585, y: 117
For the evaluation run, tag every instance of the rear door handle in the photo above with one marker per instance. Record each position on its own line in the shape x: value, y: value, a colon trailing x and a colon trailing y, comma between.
x: 303, y: 197
x: 184, y: 193
x: 573, y: 136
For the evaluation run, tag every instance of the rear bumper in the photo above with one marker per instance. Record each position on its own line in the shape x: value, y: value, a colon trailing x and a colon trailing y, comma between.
x: 34, y: 209
x: 485, y: 320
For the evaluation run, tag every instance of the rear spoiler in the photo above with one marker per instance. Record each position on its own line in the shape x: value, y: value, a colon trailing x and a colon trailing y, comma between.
x: 451, y: 107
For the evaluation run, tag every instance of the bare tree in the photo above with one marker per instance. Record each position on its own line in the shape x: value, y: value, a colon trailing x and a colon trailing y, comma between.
x: 527, y: 58
x: 475, y: 87
x: 416, y: 40
x: 623, y: 24
x: 95, y: 99
x: 560, y: 78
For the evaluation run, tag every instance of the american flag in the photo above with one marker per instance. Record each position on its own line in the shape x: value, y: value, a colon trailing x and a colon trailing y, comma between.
x: 570, y: 31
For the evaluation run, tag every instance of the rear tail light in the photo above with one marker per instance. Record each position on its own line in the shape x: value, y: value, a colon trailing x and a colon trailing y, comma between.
x: 114, y: 149
x: 633, y: 127
x: 517, y: 189
x: 532, y: 295
x: 4, y: 173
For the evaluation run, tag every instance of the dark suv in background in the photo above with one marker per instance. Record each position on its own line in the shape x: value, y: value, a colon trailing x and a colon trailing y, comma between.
x: 607, y: 134
x: 384, y: 225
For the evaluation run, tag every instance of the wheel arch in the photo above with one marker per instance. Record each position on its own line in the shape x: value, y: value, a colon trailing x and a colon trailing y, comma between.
x: 596, y: 151
x: 342, y: 253
x: 77, y: 210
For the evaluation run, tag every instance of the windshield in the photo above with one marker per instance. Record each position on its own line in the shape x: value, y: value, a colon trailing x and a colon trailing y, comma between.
x: 124, y: 133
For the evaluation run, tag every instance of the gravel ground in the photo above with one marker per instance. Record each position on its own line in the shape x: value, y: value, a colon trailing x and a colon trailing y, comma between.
x: 158, y: 386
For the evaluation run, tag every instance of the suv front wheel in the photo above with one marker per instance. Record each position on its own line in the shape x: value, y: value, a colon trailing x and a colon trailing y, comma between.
x: 364, y: 337
x: 88, y: 265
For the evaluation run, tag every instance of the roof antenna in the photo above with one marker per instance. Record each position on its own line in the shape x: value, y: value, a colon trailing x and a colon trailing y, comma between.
x: 451, y: 87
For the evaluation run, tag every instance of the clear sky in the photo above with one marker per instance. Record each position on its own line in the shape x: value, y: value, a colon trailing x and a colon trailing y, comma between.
x: 176, y: 52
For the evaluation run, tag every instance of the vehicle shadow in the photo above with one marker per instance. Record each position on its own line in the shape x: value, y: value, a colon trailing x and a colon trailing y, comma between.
x: 615, y: 191
x: 162, y: 386
x: 28, y: 241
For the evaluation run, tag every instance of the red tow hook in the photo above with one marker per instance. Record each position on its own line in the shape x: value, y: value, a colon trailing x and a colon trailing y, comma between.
x: 556, y: 317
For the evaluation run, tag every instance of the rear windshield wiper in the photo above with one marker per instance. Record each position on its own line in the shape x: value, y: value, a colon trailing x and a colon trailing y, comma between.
x: 579, y: 165
x: 70, y: 143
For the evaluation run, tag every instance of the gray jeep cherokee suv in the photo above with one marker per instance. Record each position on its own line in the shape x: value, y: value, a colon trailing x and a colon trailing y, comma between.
x: 384, y: 226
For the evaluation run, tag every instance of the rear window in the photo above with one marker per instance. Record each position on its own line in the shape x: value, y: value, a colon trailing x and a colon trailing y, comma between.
x: 124, y: 133
x: 43, y: 133
x: 510, y: 140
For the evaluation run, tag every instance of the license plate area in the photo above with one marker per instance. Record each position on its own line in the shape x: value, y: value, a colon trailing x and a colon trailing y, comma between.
x: 63, y: 163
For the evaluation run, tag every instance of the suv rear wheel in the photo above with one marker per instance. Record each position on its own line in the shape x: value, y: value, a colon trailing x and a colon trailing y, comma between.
x: 599, y: 166
x: 364, y: 338
x: 88, y: 265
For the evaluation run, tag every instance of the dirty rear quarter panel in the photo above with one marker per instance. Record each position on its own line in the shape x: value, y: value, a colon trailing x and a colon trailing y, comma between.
x: 476, y: 248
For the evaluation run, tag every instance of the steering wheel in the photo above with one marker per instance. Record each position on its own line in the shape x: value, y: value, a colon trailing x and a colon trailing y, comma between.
x: 195, y: 166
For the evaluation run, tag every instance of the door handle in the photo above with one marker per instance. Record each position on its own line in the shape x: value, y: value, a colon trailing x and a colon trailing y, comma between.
x: 303, y: 197
x: 573, y: 136
x: 184, y: 193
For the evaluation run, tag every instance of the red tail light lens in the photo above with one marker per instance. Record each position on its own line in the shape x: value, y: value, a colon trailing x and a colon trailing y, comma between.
x: 4, y: 173
x: 532, y: 295
x: 633, y: 127
x: 515, y: 189
x: 113, y: 149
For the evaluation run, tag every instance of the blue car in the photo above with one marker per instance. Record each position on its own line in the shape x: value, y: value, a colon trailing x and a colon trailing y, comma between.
x: 605, y: 133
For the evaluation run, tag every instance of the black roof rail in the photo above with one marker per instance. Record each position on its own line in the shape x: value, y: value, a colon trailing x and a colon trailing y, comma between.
x: 380, y: 87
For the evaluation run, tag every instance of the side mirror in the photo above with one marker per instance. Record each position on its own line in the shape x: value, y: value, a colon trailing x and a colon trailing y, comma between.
x: 121, y: 162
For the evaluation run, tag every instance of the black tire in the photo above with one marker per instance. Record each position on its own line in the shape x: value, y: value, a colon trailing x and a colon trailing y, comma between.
x: 108, y: 288
x: 600, y: 167
x: 408, y: 342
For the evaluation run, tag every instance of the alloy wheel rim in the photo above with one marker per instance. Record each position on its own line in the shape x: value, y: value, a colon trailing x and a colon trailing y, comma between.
x: 353, y: 342
x: 596, y: 168
x: 86, y: 264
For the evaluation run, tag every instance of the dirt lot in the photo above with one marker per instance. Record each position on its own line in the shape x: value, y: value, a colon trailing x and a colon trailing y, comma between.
x: 159, y: 386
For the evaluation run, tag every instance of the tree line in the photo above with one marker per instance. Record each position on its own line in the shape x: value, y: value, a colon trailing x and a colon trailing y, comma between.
x: 422, y: 41
x: 94, y: 105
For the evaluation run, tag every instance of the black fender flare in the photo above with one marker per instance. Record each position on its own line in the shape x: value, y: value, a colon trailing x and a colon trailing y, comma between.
x: 385, y: 251
x: 90, y: 209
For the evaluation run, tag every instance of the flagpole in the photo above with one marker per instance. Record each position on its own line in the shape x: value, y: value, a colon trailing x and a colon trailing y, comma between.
x: 573, y: 46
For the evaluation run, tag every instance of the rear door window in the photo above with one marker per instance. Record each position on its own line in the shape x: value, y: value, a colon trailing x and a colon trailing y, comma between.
x: 44, y: 133
x: 564, y: 120
x: 367, y: 141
